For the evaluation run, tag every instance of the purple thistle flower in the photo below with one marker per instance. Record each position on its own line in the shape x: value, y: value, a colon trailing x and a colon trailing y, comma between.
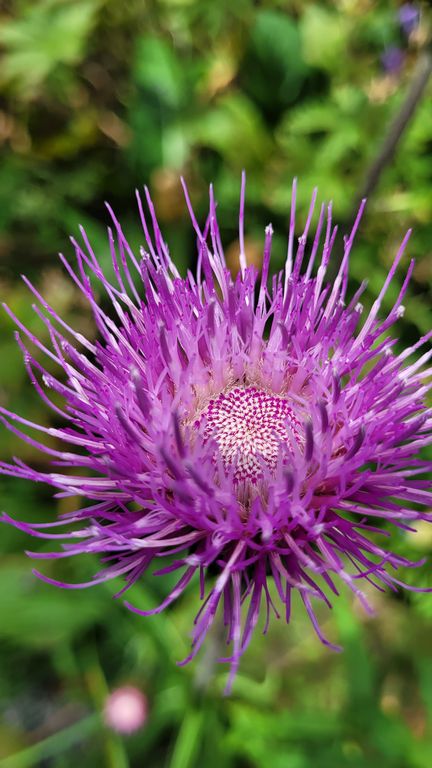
x: 250, y: 429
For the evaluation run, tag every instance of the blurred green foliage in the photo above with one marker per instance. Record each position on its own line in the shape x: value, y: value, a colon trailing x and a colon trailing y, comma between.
x: 98, y: 97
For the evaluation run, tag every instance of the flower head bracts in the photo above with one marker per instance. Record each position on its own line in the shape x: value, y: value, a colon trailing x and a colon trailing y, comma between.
x: 265, y: 432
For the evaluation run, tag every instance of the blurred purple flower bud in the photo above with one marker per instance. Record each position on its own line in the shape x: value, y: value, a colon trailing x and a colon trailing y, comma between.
x: 409, y: 17
x: 392, y: 60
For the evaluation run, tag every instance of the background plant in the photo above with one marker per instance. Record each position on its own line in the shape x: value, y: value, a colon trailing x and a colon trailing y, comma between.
x: 97, y: 97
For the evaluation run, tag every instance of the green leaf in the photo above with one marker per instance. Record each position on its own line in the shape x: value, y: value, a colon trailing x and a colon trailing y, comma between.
x: 49, y: 33
x: 324, y: 36
x: 158, y: 69
x: 235, y: 129
x: 274, y: 69
x: 38, y: 615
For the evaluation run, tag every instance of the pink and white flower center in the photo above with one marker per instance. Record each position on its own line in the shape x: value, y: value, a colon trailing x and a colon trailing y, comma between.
x: 248, y: 425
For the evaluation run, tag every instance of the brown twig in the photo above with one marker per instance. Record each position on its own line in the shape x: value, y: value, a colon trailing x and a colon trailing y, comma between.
x: 395, y: 131
x: 398, y: 125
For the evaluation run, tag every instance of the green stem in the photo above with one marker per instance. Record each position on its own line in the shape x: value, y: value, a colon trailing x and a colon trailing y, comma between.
x: 398, y: 125
x: 188, y: 740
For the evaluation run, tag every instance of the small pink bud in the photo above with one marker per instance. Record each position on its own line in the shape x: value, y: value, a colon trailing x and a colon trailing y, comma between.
x: 126, y: 709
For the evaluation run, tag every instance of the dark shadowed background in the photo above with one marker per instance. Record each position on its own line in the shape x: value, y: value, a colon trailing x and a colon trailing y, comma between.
x: 98, y: 97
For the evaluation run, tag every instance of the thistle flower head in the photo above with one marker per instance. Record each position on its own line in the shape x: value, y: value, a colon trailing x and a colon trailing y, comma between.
x: 249, y: 429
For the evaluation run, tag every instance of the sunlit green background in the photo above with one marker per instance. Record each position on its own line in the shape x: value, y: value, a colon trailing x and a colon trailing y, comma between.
x: 98, y: 97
